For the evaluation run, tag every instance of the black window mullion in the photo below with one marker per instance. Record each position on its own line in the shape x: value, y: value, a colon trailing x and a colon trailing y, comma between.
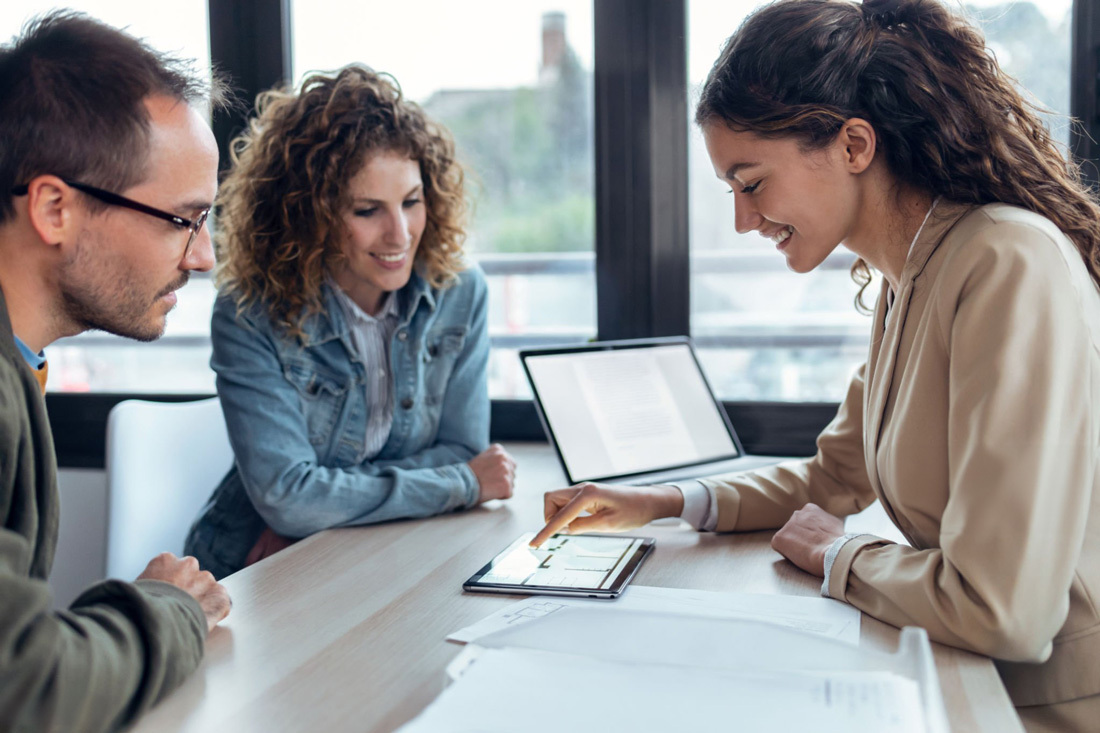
x: 250, y: 42
x: 640, y: 72
x: 1085, y: 86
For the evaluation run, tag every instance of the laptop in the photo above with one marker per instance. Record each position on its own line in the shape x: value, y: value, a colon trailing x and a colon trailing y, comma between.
x: 638, y: 411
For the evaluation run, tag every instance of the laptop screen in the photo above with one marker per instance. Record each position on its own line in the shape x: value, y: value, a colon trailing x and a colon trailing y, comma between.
x: 627, y: 410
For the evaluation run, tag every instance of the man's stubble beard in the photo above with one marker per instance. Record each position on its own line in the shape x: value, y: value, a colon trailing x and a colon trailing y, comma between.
x: 104, y: 293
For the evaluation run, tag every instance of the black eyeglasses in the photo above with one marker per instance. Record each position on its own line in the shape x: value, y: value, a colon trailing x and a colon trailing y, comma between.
x: 194, y: 225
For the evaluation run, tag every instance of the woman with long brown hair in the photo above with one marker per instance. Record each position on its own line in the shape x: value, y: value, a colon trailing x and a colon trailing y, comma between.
x: 350, y: 335
x: 888, y: 128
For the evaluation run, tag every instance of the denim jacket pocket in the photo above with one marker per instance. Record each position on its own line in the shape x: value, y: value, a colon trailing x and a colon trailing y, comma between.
x: 442, y: 347
x: 323, y: 396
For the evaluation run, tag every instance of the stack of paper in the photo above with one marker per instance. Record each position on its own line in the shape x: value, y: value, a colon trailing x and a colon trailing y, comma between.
x: 600, y: 668
x: 816, y: 615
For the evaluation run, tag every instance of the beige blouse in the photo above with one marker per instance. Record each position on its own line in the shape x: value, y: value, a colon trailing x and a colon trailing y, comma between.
x: 976, y: 423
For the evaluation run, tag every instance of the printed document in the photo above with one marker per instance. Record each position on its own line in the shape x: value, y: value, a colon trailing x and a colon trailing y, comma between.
x: 822, y: 616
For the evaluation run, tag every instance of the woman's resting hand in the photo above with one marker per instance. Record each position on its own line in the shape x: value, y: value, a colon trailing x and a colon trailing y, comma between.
x: 495, y: 471
x: 806, y: 537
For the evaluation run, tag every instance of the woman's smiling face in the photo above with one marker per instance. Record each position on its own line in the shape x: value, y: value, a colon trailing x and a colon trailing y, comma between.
x: 805, y: 202
x: 384, y: 225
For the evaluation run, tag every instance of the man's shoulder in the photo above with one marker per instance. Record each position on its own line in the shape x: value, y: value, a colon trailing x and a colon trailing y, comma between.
x: 17, y: 441
x: 13, y: 400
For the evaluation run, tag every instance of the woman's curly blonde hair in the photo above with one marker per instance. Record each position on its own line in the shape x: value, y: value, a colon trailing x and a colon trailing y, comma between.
x: 280, y: 223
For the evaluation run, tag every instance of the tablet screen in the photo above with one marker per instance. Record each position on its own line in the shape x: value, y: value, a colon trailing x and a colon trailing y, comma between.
x: 589, y: 562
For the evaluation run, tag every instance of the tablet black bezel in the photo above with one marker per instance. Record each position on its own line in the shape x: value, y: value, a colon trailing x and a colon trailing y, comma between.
x: 618, y: 585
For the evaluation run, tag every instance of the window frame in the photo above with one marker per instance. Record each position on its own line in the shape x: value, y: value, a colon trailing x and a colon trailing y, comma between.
x: 1084, y: 86
x: 642, y: 237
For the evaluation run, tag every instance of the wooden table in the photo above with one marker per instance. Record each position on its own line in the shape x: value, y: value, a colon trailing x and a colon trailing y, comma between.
x: 345, y: 630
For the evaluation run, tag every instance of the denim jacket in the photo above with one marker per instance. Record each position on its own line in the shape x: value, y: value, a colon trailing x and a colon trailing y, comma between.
x: 297, y: 418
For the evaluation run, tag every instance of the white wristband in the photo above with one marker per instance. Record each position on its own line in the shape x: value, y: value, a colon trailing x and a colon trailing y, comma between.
x: 698, y: 506
x: 830, y: 557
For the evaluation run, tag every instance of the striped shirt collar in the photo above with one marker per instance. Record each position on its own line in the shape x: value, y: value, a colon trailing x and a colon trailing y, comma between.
x: 335, y: 320
x: 355, y: 314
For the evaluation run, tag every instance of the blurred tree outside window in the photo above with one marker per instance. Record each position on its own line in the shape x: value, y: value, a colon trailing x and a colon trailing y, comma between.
x: 513, y: 84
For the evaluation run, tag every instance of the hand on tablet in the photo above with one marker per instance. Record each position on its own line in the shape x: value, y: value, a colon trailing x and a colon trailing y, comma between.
x: 610, y: 508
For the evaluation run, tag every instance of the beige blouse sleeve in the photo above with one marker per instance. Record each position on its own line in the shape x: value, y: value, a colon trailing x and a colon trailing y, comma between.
x: 835, y: 478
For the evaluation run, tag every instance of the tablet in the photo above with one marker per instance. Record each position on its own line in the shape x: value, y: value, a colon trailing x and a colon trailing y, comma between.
x: 585, y: 565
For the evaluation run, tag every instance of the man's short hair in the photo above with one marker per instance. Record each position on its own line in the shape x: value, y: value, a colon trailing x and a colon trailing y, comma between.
x: 72, y: 92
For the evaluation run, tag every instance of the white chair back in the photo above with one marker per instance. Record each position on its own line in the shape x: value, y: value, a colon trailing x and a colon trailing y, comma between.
x: 163, y: 461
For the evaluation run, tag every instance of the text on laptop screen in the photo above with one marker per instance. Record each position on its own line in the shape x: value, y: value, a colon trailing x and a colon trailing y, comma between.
x: 629, y: 410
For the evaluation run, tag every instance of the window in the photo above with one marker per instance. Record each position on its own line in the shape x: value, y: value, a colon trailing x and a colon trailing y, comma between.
x: 765, y: 334
x: 1032, y: 42
x: 513, y: 83
x: 517, y: 94
x: 179, y: 28
x: 102, y: 362
x: 768, y: 334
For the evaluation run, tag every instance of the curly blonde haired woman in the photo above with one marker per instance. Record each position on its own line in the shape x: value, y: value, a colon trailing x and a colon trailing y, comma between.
x: 350, y: 338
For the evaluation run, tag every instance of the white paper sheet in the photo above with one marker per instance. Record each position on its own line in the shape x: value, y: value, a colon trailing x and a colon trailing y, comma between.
x: 822, y: 616
x: 508, y: 690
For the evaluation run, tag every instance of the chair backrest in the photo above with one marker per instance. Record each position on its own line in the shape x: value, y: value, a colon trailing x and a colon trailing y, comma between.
x: 163, y: 461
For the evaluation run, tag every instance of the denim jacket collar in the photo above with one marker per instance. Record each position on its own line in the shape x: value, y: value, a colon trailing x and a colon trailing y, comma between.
x: 331, y: 324
x: 410, y: 296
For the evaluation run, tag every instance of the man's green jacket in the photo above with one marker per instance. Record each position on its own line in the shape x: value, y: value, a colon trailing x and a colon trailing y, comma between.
x: 120, y: 647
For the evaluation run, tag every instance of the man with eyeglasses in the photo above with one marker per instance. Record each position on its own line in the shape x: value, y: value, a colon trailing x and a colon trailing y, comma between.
x: 107, y: 174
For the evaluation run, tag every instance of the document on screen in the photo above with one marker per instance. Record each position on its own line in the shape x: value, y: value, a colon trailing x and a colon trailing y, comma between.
x: 634, y: 410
